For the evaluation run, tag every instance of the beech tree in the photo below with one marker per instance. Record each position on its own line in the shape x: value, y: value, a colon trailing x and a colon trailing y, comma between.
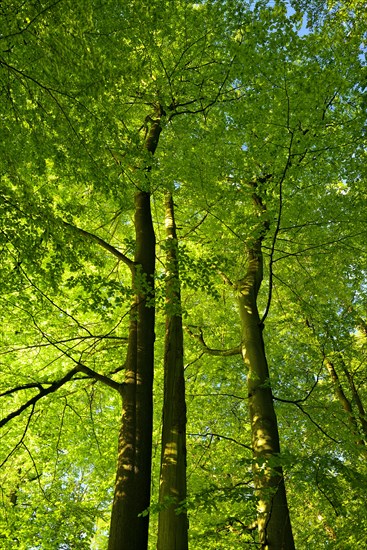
x: 182, y: 206
x: 173, y: 526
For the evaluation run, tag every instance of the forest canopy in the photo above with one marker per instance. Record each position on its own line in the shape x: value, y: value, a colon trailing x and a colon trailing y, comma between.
x: 183, y: 274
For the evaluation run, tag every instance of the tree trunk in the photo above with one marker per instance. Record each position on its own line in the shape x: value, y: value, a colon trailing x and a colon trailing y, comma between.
x: 129, y: 529
x: 343, y: 399
x: 274, y: 527
x: 172, y: 523
x: 356, y: 398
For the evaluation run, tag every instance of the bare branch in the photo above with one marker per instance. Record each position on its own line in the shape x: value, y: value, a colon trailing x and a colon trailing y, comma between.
x: 21, y: 439
x: 308, y: 416
x: 119, y: 255
x: 194, y: 360
x: 195, y: 226
x: 303, y: 399
x: 42, y: 393
x: 220, y: 394
x: 38, y: 475
x: 100, y: 377
x: 80, y: 367
x: 24, y: 387
x: 276, y: 232
x: 53, y: 304
x: 65, y: 341
x: 211, y: 434
x: 211, y: 351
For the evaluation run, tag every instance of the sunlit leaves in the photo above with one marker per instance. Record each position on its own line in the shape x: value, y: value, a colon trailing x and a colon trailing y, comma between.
x: 252, y: 95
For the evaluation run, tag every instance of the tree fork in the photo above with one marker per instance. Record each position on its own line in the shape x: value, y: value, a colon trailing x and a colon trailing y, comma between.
x: 274, y: 526
x: 129, y: 528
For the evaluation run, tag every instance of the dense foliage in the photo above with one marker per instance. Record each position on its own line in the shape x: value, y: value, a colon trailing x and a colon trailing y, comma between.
x: 262, y: 113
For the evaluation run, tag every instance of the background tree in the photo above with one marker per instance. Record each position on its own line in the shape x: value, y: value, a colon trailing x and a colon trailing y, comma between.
x: 173, y: 524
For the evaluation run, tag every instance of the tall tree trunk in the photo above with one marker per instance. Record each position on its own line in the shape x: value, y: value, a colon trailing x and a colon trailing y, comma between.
x: 128, y: 529
x: 274, y: 526
x: 343, y: 399
x: 356, y: 398
x: 173, y: 524
x: 346, y: 403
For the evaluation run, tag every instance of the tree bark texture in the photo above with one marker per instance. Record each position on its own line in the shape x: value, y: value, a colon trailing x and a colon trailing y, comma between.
x: 172, y: 523
x: 128, y: 528
x: 274, y: 527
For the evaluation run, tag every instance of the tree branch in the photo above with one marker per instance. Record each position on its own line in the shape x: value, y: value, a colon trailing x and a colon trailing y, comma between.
x: 21, y: 439
x: 42, y: 393
x: 276, y: 232
x: 100, y: 377
x: 310, y: 418
x: 119, y: 255
x: 65, y: 341
x: 24, y: 387
x: 210, y: 434
x: 211, y: 351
